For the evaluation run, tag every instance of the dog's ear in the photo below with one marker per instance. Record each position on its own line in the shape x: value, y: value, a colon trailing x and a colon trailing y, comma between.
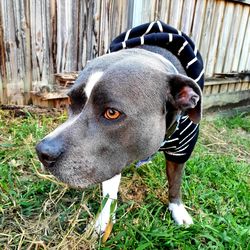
x: 185, y: 95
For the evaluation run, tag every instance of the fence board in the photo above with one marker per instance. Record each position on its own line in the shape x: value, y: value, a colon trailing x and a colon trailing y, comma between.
x: 234, y: 31
x: 199, y: 15
x: 206, y: 31
x: 223, y: 40
x: 187, y: 16
x: 175, y: 13
x: 3, y: 79
x: 240, y: 38
x: 163, y: 10
x: 244, y: 58
x: 215, y: 32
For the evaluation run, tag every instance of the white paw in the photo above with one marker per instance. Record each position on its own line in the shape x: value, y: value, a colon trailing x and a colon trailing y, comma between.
x: 180, y: 214
x: 106, y: 216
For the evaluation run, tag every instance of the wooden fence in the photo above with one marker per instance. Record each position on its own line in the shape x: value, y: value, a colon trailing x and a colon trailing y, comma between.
x: 40, y: 38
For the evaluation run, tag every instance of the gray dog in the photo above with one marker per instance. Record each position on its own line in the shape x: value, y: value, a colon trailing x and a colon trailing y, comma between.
x: 125, y: 106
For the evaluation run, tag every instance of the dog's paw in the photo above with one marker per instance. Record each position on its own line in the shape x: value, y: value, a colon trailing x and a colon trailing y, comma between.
x: 180, y: 214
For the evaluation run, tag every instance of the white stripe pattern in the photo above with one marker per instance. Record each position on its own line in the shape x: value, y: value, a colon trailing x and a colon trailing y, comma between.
x: 199, y: 77
x: 180, y: 150
x: 186, y: 142
x: 169, y: 147
x: 191, y: 62
x: 170, y: 37
x: 160, y: 26
x: 182, y: 47
x: 186, y: 128
x: 149, y: 28
x: 167, y: 141
x: 123, y: 45
x: 176, y: 154
x: 189, y: 134
x: 195, y: 50
x: 186, y: 117
x: 127, y: 35
x: 142, y: 40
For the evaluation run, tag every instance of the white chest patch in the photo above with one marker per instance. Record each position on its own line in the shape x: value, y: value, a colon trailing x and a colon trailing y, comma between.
x: 93, y: 79
x: 110, y: 188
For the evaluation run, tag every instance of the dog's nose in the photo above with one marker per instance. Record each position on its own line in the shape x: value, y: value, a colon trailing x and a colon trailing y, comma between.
x: 48, y: 152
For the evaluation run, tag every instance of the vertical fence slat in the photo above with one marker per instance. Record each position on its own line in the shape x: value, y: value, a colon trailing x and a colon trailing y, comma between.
x: 164, y: 10
x: 240, y: 38
x: 104, y: 27
x: 27, y: 50
x: 234, y: 31
x: 13, y: 43
x: 218, y: 12
x: 244, y: 63
x: 223, y: 40
x: 3, y: 81
x: 206, y: 31
x: 198, y: 21
x: 187, y: 16
x: 175, y: 13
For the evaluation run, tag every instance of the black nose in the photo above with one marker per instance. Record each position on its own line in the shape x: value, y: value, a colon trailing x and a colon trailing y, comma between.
x: 48, y: 151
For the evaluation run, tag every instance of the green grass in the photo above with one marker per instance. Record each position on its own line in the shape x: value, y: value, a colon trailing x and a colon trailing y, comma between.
x: 37, y: 212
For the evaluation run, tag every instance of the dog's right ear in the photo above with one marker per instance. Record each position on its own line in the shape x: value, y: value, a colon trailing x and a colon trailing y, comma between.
x: 185, y: 95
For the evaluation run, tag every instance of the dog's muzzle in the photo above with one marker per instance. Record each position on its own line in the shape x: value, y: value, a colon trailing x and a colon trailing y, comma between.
x: 49, y: 151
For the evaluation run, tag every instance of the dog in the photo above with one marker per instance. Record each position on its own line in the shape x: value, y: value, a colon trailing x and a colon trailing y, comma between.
x: 143, y: 96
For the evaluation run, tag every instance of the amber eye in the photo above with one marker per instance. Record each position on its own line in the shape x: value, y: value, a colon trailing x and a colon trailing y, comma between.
x: 111, y: 114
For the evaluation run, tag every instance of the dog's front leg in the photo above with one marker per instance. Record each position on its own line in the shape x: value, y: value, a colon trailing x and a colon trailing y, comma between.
x: 178, y: 211
x: 106, y: 218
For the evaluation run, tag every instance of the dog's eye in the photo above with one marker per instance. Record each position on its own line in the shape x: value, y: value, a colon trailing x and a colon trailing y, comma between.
x: 112, y: 114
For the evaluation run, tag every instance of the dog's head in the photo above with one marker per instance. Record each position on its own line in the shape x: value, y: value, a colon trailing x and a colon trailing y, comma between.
x: 117, y: 115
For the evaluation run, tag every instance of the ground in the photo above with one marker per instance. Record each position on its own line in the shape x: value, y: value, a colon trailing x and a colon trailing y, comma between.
x: 37, y: 212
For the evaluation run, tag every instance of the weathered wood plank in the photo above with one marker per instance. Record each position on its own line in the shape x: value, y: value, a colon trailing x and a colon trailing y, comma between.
x: 14, y: 44
x: 105, y: 28
x: 3, y: 81
x: 206, y: 31
x: 234, y: 31
x: 187, y: 16
x: 240, y: 37
x: 175, y: 13
x: 244, y: 62
x: 67, y: 35
x: 144, y: 11
x: 224, y: 37
x: 199, y: 15
x: 214, y: 37
x: 25, y: 26
x: 94, y: 35
x: 207, y: 90
x: 245, y: 85
x: 215, y: 89
x: 223, y: 88
x: 231, y: 87
x: 163, y: 11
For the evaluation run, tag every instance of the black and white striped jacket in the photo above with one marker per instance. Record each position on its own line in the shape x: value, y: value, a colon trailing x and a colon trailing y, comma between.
x: 179, y: 145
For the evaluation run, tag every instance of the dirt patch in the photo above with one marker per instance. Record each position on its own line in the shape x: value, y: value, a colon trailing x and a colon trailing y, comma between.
x: 133, y: 189
x: 25, y: 111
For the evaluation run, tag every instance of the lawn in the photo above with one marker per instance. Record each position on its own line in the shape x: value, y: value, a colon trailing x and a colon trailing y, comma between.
x: 37, y: 212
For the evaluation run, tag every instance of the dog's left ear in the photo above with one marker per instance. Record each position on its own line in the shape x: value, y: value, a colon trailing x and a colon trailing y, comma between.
x: 185, y: 95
